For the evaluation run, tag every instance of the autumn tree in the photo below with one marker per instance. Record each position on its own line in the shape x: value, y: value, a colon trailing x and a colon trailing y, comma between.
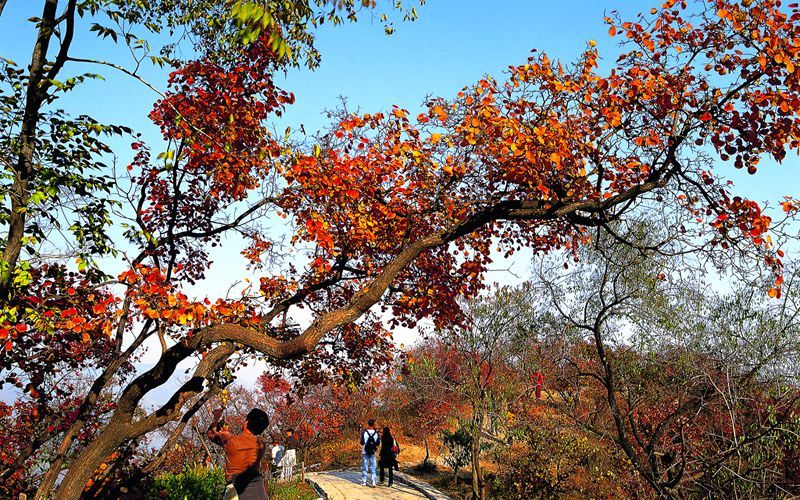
x: 486, y: 368
x: 323, y: 416
x: 395, y: 214
x: 415, y: 397
x: 693, y: 385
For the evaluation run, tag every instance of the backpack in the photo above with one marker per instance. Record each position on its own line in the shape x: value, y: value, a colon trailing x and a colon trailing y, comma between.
x: 371, y: 445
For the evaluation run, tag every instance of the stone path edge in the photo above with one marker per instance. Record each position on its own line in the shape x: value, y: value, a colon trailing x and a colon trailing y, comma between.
x: 320, y: 492
x: 423, y: 488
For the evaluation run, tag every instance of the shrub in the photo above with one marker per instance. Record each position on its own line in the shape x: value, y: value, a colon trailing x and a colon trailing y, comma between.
x: 295, y: 490
x: 458, y: 449
x: 336, y: 454
x: 208, y: 483
x: 425, y: 467
x: 559, y: 463
x: 195, y: 483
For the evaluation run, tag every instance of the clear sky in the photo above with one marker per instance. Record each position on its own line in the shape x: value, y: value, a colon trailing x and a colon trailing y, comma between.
x: 453, y: 44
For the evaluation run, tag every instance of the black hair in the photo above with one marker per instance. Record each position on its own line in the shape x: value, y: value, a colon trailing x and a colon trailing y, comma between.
x: 387, y: 433
x: 257, y: 421
x: 371, y: 423
x: 290, y: 430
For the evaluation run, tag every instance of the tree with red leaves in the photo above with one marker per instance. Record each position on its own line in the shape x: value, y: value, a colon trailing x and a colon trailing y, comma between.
x: 396, y: 214
x: 416, y: 398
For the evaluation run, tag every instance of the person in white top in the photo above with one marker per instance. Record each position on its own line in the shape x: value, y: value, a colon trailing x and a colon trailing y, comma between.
x: 289, y: 459
x: 370, y: 440
x: 277, y: 454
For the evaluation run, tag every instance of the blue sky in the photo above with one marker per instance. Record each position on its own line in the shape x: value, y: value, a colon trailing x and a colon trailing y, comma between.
x: 453, y: 44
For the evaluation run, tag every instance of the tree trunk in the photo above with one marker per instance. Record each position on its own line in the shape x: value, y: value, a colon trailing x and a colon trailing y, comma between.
x: 81, y: 470
x: 49, y: 478
x: 122, y: 428
x: 477, y: 476
x: 650, y: 475
x: 427, y: 450
x: 477, y: 480
x: 23, y: 167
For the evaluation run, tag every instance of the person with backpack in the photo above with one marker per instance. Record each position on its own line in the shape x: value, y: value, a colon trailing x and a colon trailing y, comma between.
x: 388, y: 455
x: 370, y: 440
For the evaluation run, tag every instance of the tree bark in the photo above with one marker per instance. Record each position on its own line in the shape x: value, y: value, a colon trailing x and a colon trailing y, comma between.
x: 477, y: 475
x: 23, y: 167
x: 122, y: 428
x: 49, y: 478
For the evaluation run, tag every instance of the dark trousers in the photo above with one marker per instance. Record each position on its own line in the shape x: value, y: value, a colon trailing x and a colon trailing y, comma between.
x: 391, y: 474
x: 248, y: 485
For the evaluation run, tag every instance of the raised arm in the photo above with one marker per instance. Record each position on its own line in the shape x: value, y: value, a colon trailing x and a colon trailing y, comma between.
x: 213, y: 434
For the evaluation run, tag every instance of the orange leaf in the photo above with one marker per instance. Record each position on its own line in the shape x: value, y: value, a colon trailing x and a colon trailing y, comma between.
x: 440, y: 113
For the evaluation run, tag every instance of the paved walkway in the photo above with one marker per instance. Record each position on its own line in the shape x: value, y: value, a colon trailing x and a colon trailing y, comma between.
x: 346, y: 485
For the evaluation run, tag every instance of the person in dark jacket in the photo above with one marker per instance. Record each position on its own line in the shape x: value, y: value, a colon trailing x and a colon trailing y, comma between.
x: 388, y: 455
